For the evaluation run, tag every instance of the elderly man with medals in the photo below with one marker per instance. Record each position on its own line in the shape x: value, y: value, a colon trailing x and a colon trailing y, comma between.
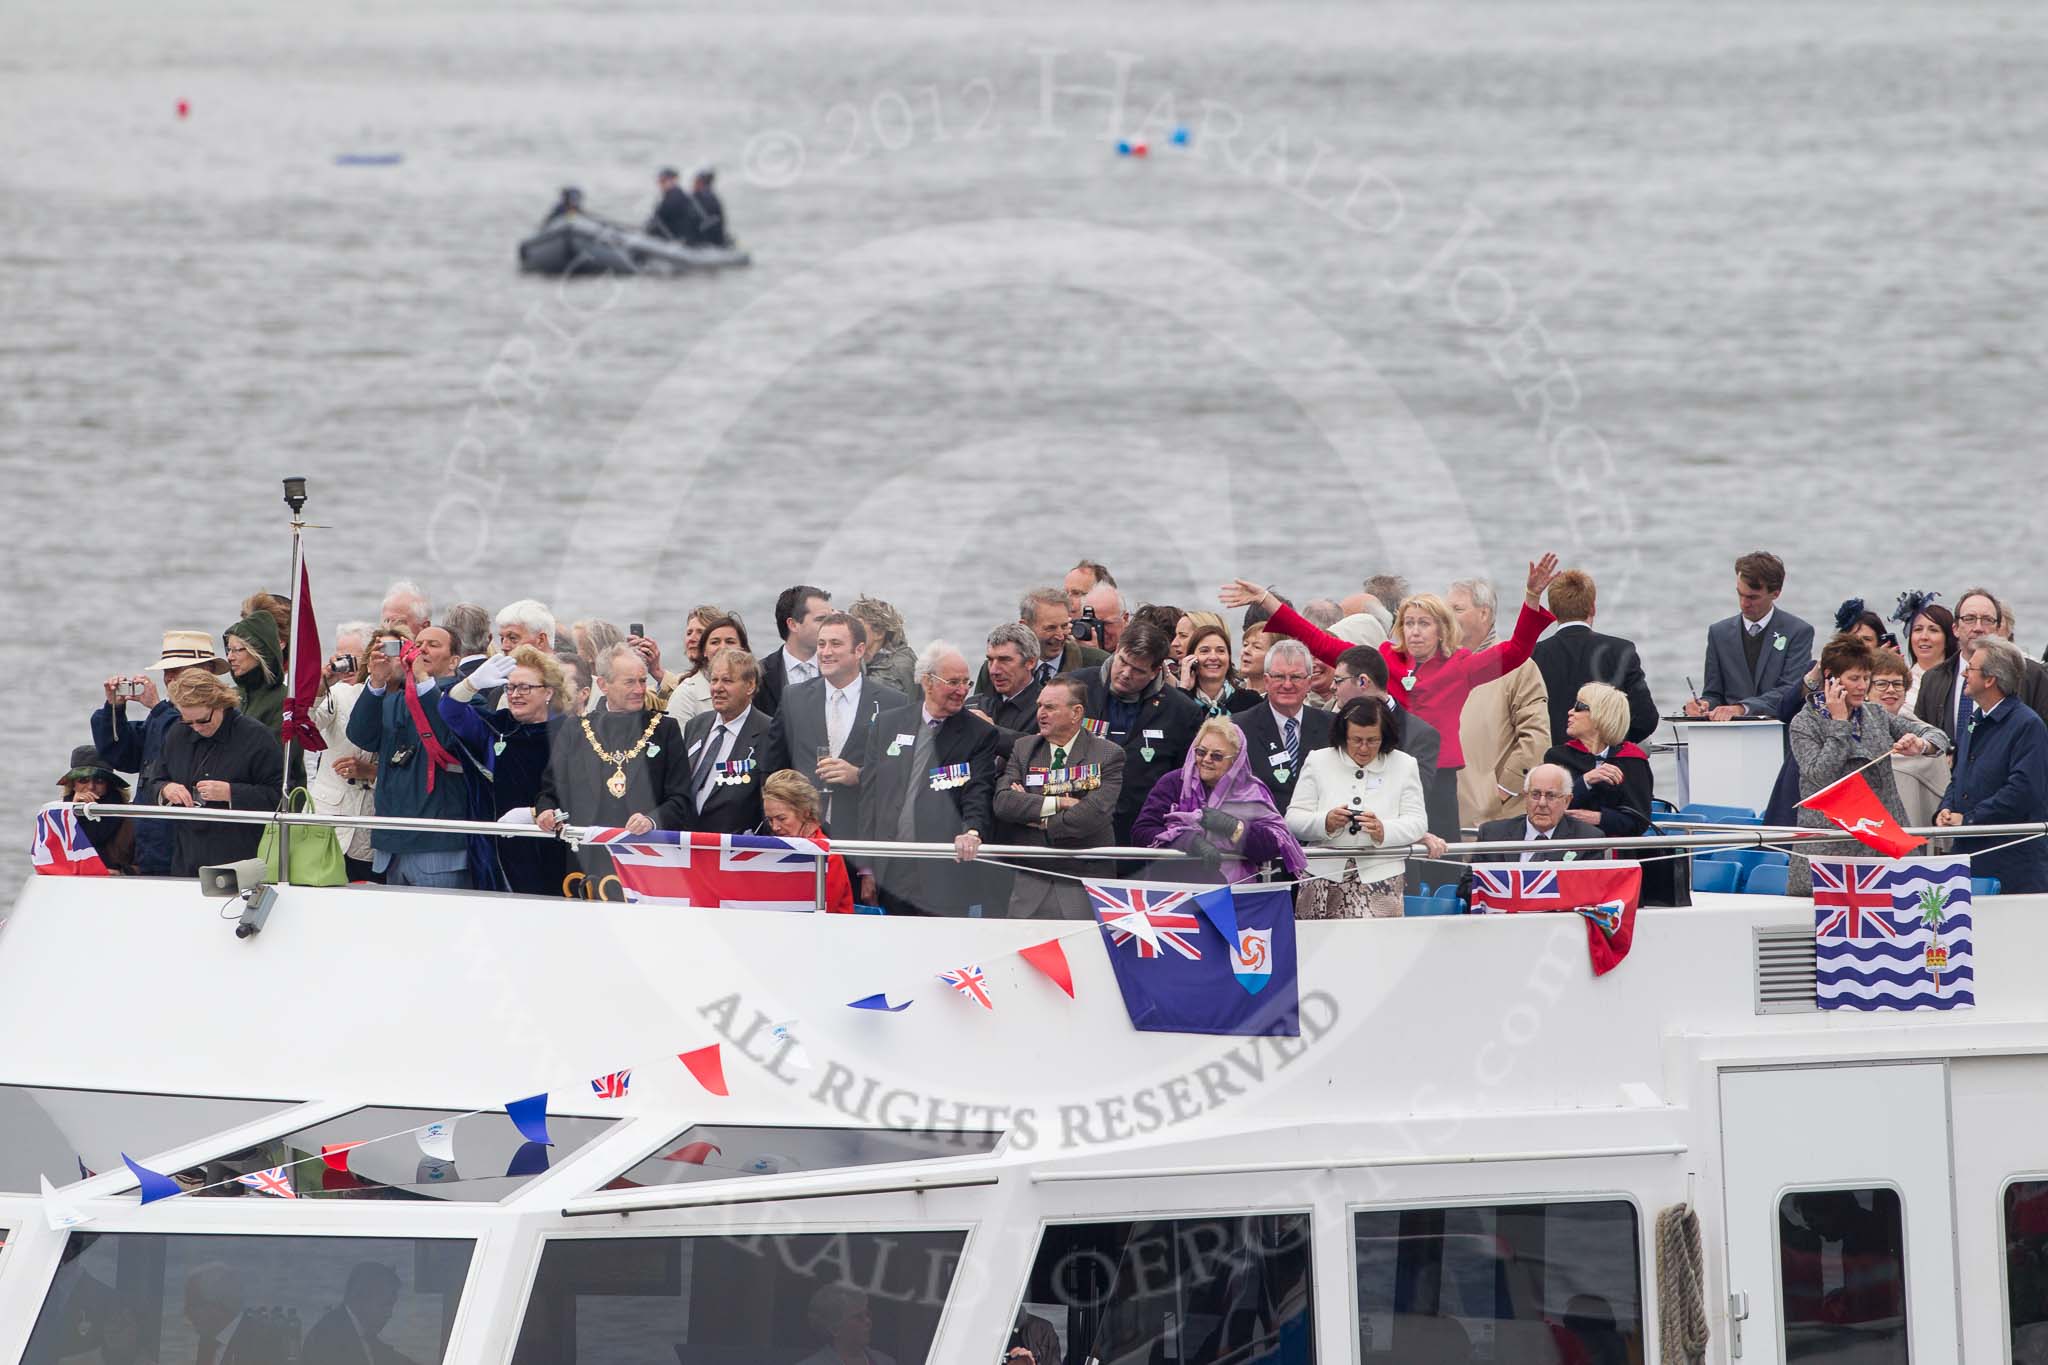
x: 620, y: 766
x: 1059, y: 789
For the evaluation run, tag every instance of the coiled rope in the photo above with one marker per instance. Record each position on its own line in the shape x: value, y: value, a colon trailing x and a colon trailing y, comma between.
x: 1681, y: 1287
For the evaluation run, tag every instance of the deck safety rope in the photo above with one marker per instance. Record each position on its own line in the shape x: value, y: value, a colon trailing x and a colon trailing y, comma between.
x: 1681, y: 1287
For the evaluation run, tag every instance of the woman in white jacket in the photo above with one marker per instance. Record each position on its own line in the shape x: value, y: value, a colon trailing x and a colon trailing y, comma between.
x: 345, y: 782
x: 1360, y: 793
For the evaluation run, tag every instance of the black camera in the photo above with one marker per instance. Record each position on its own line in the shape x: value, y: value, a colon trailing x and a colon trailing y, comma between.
x: 1089, y: 626
x: 1351, y: 821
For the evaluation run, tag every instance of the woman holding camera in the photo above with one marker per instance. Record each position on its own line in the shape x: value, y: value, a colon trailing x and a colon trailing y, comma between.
x: 1358, y: 793
x: 346, y: 779
x: 220, y: 758
x: 1840, y: 732
x: 512, y: 741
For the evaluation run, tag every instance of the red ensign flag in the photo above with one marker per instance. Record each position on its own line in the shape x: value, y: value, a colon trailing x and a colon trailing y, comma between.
x: 1851, y: 804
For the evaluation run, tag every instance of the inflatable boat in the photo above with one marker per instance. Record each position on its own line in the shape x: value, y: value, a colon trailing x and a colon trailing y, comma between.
x: 588, y: 246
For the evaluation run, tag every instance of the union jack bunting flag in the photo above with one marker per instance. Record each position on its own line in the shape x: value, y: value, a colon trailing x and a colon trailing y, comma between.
x: 1503, y: 885
x: 612, y: 1085
x: 1859, y: 895
x: 275, y: 1181
x: 715, y: 871
x: 970, y: 982
x: 62, y: 848
x: 1159, y: 918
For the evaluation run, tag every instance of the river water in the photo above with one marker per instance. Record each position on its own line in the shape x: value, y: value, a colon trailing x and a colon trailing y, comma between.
x: 1429, y: 288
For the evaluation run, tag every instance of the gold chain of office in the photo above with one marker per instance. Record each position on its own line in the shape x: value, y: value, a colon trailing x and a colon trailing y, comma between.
x: 616, y: 783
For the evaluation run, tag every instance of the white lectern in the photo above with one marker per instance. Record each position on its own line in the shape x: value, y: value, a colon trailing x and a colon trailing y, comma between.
x: 1730, y: 762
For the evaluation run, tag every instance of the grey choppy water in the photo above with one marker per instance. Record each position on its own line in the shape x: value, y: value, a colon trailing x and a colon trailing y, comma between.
x: 1777, y: 264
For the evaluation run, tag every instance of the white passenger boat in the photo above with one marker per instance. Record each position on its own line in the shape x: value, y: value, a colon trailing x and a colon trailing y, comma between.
x: 1464, y: 1155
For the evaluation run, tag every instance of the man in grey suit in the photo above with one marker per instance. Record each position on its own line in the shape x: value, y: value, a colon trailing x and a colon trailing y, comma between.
x: 832, y: 713
x: 727, y: 747
x: 1059, y: 789
x: 1942, y: 696
x: 1757, y: 659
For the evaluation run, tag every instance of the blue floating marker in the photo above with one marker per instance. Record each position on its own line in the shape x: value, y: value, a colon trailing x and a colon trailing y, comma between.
x: 877, y: 1002
x: 1180, y: 136
x: 530, y: 1159
x: 155, y: 1186
x: 530, y: 1117
x: 1123, y: 147
x: 370, y: 159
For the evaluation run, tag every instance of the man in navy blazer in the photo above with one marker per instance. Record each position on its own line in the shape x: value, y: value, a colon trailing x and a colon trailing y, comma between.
x: 2001, y: 768
x: 1757, y: 658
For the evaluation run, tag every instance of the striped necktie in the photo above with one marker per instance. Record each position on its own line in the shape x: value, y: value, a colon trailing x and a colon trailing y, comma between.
x: 1293, y: 742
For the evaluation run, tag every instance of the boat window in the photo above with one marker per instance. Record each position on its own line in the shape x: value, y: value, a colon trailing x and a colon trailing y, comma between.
x: 491, y: 1158
x: 722, y: 1152
x: 2026, y: 1267
x: 139, y: 1296
x: 812, y: 1297
x: 70, y: 1135
x: 1500, y: 1282
x: 1842, y: 1276
x: 1187, y: 1289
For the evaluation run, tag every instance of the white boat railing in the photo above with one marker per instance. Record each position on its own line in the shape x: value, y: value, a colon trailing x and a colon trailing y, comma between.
x: 1697, y: 835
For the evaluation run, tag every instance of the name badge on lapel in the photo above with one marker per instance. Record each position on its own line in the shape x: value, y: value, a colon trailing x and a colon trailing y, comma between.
x: 1278, y: 762
x: 1035, y: 778
x: 952, y: 775
x: 896, y: 744
x: 1145, y: 750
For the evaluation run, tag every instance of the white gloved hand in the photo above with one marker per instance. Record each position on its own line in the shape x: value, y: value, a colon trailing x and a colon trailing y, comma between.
x: 492, y: 672
x: 518, y: 815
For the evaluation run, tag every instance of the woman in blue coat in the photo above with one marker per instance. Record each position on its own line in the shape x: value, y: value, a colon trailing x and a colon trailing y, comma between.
x: 511, y: 741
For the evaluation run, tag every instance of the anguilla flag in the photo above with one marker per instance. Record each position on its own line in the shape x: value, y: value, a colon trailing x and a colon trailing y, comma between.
x: 1236, y: 973
x: 62, y: 847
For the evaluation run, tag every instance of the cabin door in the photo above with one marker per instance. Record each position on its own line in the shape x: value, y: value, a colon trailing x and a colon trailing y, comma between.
x: 1837, y: 1188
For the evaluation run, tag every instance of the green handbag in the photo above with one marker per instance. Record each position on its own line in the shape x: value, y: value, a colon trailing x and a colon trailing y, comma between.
x: 316, y: 853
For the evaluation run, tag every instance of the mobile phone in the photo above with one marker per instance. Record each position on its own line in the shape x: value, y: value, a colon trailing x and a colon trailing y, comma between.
x: 393, y: 648
x: 638, y: 628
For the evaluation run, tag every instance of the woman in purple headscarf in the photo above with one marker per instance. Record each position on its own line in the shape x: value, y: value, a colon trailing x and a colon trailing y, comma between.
x: 1214, y: 809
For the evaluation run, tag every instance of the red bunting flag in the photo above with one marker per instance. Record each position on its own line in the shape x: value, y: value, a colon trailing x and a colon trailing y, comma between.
x: 336, y: 1154
x: 1851, y: 804
x: 694, y: 1153
x: 706, y: 1065
x: 1051, y: 959
x: 303, y: 687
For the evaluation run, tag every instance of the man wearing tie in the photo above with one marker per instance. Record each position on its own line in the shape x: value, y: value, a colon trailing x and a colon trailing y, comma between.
x: 1944, y: 697
x: 798, y: 613
x: 1546, y: 795
x: 927, y: 776
x: 1756, y: 659
x: 727, y: 746
x: 2001, y: 768
x: 1059, y: 788
x: 1286, y: 729
x: 832, y: 713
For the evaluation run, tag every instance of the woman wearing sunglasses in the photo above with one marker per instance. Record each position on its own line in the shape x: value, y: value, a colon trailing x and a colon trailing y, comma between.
x: 1215, y: 810
x: 1611, y: 783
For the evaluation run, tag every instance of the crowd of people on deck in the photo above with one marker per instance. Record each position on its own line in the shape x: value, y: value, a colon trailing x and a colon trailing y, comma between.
x: 1381, y: 727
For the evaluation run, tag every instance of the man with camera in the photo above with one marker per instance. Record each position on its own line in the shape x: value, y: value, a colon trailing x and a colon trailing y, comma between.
x: 1104, y: 614
x: 398, y: 718
x: 138, y: 749
x: 1044, y: 610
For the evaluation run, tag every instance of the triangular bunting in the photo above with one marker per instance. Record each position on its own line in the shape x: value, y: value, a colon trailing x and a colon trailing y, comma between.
x: 1051, y: 959
x: 437, y: 1140
x: 155, y: 1186
x: 530, y: 1159
x: 877, y: 1002
x: 335, y: 1154
x: 530, y: 1117
x: 706, y: 1065
x: 793, y: 1050
x: 694, y: 1153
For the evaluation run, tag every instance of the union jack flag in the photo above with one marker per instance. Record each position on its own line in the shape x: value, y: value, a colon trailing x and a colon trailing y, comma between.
x: 276, y: 1181
x: 970, y: 982
x: 612, y: 1085
x: 1508, y: 887
x: 1861, y: 896
x: 1157, y: 917
x: 62, y: 848
x: 715, y: 871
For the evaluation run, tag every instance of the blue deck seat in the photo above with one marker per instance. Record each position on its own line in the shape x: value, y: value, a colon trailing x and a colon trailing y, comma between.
x: 1716, y: 874
x: 1767, y: 879
x: 1720, y: 815
x: 1421, y: 907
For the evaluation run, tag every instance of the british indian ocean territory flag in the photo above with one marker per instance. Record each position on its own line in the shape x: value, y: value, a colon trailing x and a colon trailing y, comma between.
x: 1893, y: 934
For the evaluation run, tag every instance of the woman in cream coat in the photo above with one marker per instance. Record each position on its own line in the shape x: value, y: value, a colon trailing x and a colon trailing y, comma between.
x: 1360, y: 793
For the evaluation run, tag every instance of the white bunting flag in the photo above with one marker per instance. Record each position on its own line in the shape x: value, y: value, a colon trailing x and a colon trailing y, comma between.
x: 437, y: 1140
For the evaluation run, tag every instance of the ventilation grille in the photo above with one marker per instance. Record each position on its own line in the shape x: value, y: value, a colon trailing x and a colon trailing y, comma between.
x: 1784, y: 971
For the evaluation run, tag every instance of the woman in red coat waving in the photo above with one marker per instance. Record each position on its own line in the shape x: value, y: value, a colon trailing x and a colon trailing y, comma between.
x: 1428, y: 674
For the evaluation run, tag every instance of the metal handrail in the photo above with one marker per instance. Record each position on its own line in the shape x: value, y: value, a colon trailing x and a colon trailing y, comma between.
x: 1714, y: 836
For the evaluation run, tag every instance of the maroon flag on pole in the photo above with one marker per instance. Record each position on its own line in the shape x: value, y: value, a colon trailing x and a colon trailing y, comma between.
x: 298, y: 725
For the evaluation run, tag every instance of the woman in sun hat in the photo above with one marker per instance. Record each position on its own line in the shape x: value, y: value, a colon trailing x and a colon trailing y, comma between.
x: 90, y: 779
x: 131, y: 748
